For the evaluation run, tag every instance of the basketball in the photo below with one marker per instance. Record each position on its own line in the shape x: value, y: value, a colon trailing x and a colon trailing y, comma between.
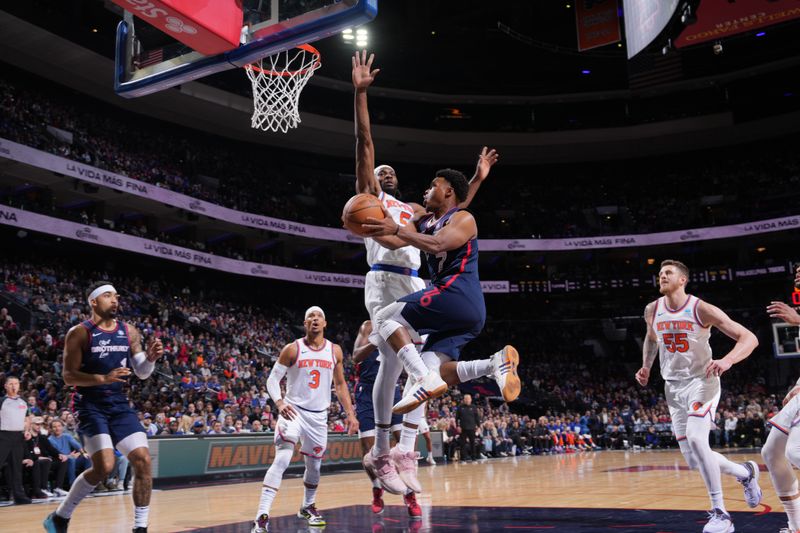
x: 358, y: 209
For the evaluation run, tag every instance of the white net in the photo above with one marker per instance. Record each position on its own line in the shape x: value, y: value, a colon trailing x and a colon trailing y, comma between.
x: 277, y: 82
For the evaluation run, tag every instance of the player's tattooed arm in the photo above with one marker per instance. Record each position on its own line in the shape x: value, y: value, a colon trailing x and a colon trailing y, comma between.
x: 649, y: 347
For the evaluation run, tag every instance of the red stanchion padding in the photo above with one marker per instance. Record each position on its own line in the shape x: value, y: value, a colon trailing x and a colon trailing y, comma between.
x: 208, y: 27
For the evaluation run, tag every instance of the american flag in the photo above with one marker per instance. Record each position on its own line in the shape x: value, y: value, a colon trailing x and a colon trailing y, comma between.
x: 149, y: 57
x: 648, y: 70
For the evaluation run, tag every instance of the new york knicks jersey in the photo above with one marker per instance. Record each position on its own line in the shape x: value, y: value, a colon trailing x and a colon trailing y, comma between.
x: 683, y: 348
x: 461, y: 262
x: 107, y: 350
x: 407, y: 256
x: 309, y: 379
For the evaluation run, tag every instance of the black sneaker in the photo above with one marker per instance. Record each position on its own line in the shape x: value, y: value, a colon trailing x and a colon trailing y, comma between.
x: 21, y: 499
x: 55, y: 524
x: 140, y: 530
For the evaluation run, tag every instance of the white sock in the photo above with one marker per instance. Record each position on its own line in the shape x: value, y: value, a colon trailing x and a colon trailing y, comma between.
x: 412, y: 361
x: 265, y: 503
x: 79, y: 490
x: 468, y: 370
x: 792, y: 508
x: 381, y: 446
x: 309, y: 495
x: 728, y: 467
x: 408, y: 439
x: 376, y: 484
x: 141, y: 516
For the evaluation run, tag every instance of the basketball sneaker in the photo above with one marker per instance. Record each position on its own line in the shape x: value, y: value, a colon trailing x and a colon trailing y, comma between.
x: 787, y: 529
x: 414, y: 510
x: 382, y: 467
x: 504, y: 372
x: 406, y: 464
x: 377, y: 500
x: 752, y: 492
x: 55, y: 524
x: 429, y: 387
x: 140, y: 530
x: 311, y: 515
x: 430, y: 460
x: 718, y: 522
x: 261, y: 524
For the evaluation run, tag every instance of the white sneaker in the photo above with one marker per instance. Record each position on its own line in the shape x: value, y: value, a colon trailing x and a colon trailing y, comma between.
x: 48, y: 493
x: 429, y: 387
x: 752, y: 492
x: 120, y: 485
x: 504, y: 372
x: 430, y: 460
x: 60, y: 492
x: 718, y: 522
x: 787, y: 529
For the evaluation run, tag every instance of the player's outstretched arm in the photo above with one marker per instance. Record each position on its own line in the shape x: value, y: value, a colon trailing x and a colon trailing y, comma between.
x: 783, y: 312
x: 649, y: 347
x: 362, y: 348
x: 461, y: 228
x: 286, y: 359
x: 486, y: 160
x: 746, y: 342
x: 363, y: 76
x: 342, y: 392
x: 76, y: 341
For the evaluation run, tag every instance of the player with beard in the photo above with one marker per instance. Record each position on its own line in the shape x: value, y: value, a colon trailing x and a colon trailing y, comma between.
x: 99, y: 354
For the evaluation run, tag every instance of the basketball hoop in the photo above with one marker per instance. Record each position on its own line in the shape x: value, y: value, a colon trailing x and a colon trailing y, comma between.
x: 277, y: 82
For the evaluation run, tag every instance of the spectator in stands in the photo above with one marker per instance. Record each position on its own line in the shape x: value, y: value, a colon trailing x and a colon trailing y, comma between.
x: 40, y: 456
x: 77, y: 458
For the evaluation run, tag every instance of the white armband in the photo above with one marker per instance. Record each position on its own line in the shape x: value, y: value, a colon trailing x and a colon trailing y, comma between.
x: 274, y: 381
x: 141, y: 366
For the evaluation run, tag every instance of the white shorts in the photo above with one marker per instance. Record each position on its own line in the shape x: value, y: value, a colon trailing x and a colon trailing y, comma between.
x: 308, y: 428
x: 691, y: 397
x: 423, y: 426
x: 788, y: 417
x: 382, y: 288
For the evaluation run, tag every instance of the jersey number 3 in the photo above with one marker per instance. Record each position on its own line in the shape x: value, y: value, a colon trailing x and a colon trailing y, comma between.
x: 676, y: 342
x: 314, y: 379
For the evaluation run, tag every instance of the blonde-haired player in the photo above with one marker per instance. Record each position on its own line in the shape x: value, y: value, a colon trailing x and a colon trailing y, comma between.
x: 678, y: 329
x: 310, y: 365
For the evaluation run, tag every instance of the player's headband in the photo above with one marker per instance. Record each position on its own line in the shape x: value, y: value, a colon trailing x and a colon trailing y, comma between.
x: 316, y: 308
x: 101, y: 290
x: 381, y: 167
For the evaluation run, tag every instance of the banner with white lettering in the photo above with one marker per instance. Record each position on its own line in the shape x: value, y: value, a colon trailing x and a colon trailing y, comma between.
x: 103, y: 237
x: 81, y: 171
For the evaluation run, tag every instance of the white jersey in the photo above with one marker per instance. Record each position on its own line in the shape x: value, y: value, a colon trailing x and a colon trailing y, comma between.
x: 407, y: 256
x: 309, y: 379
x: 683, y: 348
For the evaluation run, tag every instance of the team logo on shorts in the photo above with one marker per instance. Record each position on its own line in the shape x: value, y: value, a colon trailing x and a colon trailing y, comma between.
x: 696, y: 406
x: 318, y: 450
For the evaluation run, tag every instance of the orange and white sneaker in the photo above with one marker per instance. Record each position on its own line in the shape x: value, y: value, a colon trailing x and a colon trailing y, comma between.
x: 414, y: 510
x: 406, y: 464
x: 504, y: 372
x: 429, y: 387
x: 377, y: 500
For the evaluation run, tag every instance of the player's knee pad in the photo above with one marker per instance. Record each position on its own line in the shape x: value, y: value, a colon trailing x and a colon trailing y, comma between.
x: 688, y: 455
x: 793, y: 454
x: 773, y: 448
x: 311, y: 475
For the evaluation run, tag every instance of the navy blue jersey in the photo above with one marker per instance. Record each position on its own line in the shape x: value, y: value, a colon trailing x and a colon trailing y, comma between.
x: 107, y: 350
x: 446, y: 266
x: 367, y: 370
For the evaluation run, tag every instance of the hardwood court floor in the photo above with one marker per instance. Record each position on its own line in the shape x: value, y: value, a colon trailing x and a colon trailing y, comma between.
x: 597, y: 480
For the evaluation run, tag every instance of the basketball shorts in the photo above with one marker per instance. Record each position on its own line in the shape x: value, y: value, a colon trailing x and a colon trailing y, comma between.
x: 451, y: 317
x: 382, y: 288
x: 365, y: 411
x: 309, y: 428
x: 788, y: 417
x: 109, y: 422
x: 697, y: 397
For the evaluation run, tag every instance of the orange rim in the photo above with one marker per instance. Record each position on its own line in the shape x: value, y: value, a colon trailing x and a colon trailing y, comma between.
x: 307, y: 48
